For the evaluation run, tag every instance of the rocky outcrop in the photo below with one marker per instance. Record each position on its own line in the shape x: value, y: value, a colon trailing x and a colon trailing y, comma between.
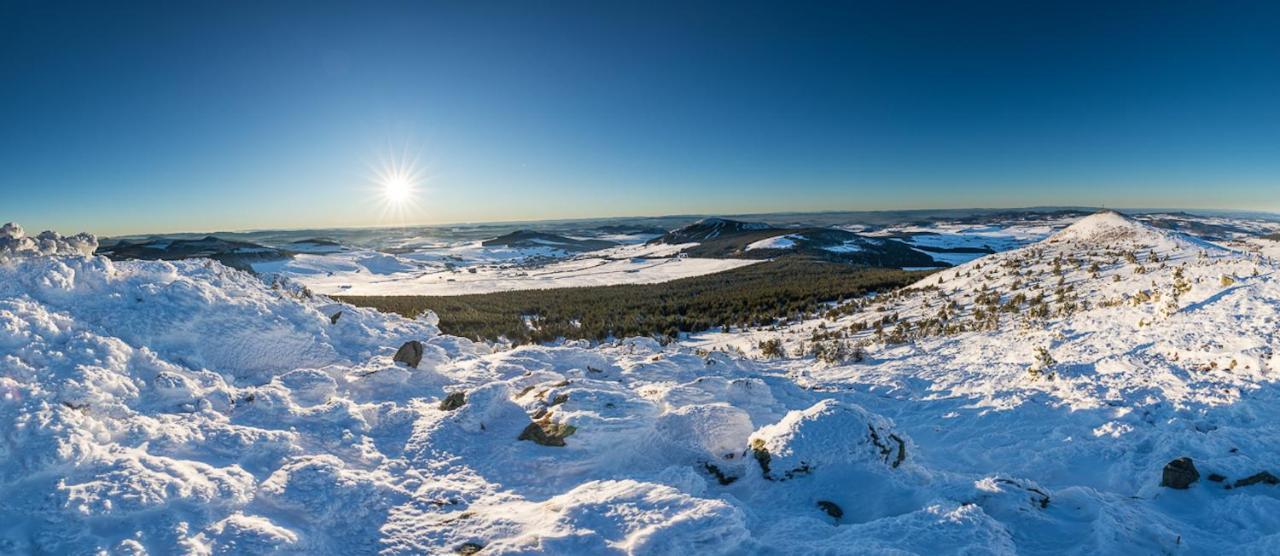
x: 1264, y: 477
x: 410, y: 353
x: 547, y: 433
x: 831, y: 508
x: 1180, y: 473
x: 453, y: 401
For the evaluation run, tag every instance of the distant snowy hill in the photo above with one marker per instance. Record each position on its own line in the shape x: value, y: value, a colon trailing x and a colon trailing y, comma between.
x: 237, y: 254
x: 534, y: 239
x: 707, y: 229
x: 1024, y: 403
x: 721, y: 238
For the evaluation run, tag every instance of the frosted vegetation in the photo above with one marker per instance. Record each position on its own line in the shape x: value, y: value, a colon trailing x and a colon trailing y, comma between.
x: 1025, y: 402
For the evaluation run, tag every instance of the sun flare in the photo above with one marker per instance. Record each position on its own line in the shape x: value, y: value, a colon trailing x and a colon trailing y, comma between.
x: 397, y: 189
x: 396, y: 183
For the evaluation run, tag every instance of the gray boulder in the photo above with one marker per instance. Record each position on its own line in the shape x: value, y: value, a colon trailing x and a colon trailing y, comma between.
x: 1180, y: 474
x: 410, y: 353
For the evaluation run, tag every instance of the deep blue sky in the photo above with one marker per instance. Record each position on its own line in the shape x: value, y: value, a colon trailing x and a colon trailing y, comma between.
x: 121, y: 117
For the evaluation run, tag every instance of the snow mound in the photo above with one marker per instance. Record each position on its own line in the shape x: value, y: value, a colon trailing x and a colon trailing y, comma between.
x: 14, y: 242
x: 829, y: 433
x: 1110, y: 227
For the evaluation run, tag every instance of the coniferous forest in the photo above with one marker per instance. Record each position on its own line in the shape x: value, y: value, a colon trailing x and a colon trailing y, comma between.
x: 756, y: 295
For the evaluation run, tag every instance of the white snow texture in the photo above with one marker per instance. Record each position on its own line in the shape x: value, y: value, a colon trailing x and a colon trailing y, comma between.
x: 185, y: 407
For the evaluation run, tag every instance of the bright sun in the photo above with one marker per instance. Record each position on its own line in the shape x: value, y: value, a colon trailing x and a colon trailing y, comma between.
x: 395, y: 185
x: 397, y: 188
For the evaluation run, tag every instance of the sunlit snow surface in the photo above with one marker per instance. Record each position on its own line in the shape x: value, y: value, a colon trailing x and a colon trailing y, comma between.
x: 189, y: 408
x: 472, y: 268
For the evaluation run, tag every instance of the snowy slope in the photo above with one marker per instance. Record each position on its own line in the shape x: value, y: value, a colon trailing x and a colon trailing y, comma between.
x: 186, y: 407
x: 1166, y: 354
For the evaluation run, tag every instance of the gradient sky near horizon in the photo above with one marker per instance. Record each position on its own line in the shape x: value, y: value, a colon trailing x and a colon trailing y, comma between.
x: 133, y: 117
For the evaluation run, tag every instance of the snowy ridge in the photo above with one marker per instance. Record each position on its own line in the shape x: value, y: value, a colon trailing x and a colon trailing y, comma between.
x: 1084, y: 363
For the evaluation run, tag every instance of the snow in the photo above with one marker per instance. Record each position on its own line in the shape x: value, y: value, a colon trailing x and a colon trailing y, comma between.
x: 14, y: 242
x: 776, y: 242
x: 846, y: 247
x: 184, y: 407
x: 363, y: 272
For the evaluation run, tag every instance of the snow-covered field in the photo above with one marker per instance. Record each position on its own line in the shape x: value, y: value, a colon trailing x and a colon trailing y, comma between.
x: 469, y: 269
x: 156, y: 407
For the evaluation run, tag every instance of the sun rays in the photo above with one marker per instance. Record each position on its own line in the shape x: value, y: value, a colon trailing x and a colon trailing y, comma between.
x: 398, y: 182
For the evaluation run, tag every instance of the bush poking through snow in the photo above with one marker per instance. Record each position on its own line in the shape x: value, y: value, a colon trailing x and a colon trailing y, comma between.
x: 1044, y: 362
x: 771, y: 348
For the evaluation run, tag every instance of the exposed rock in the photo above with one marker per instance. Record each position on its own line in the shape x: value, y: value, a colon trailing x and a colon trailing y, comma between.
x: 1217, y: 478
x: 1039, y: 497
x: 559, y: 399
x: 1179, y: 473
x: 453, y: 401
x: 333, y: 319
x: 410, y: 353
x: 1264, y: 477
x: 547, y: 433
x: 719, y: 474
x: 831, y: 508
x: 468, y: 548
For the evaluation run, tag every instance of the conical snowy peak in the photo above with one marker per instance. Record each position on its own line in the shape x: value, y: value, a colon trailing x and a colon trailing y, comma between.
x: 1113, y: 229
x: 1103, y: 226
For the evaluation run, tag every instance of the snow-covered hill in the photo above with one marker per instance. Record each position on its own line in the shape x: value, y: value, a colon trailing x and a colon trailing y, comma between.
x: 186, y: 407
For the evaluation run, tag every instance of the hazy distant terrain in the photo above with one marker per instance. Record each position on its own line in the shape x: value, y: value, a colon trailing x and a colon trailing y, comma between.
x: 484, y: 258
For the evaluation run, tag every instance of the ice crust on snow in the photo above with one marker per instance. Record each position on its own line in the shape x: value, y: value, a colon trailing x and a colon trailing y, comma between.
x: 184, y: 407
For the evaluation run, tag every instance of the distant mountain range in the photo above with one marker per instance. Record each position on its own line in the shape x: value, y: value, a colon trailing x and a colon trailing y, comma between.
x: 723, y: 238
x: 526, y: 239
x: 235, y: 254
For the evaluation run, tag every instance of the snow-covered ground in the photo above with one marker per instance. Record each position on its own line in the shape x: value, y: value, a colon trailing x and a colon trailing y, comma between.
x: 156, y: 407
x: 457, y: 268
x: 776, y: 242
x: 473, y: 269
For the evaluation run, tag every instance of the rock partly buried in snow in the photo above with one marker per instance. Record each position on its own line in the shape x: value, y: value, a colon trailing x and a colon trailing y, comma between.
x: 333, y: 319
x: 831, y: 508
x: 453, y: 401
x: 1180, y: 474
x: 468, y: 548
x: 410, y: 353
x: 1264, y: 477
x: 547, y: 433
x: 830, y: 432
